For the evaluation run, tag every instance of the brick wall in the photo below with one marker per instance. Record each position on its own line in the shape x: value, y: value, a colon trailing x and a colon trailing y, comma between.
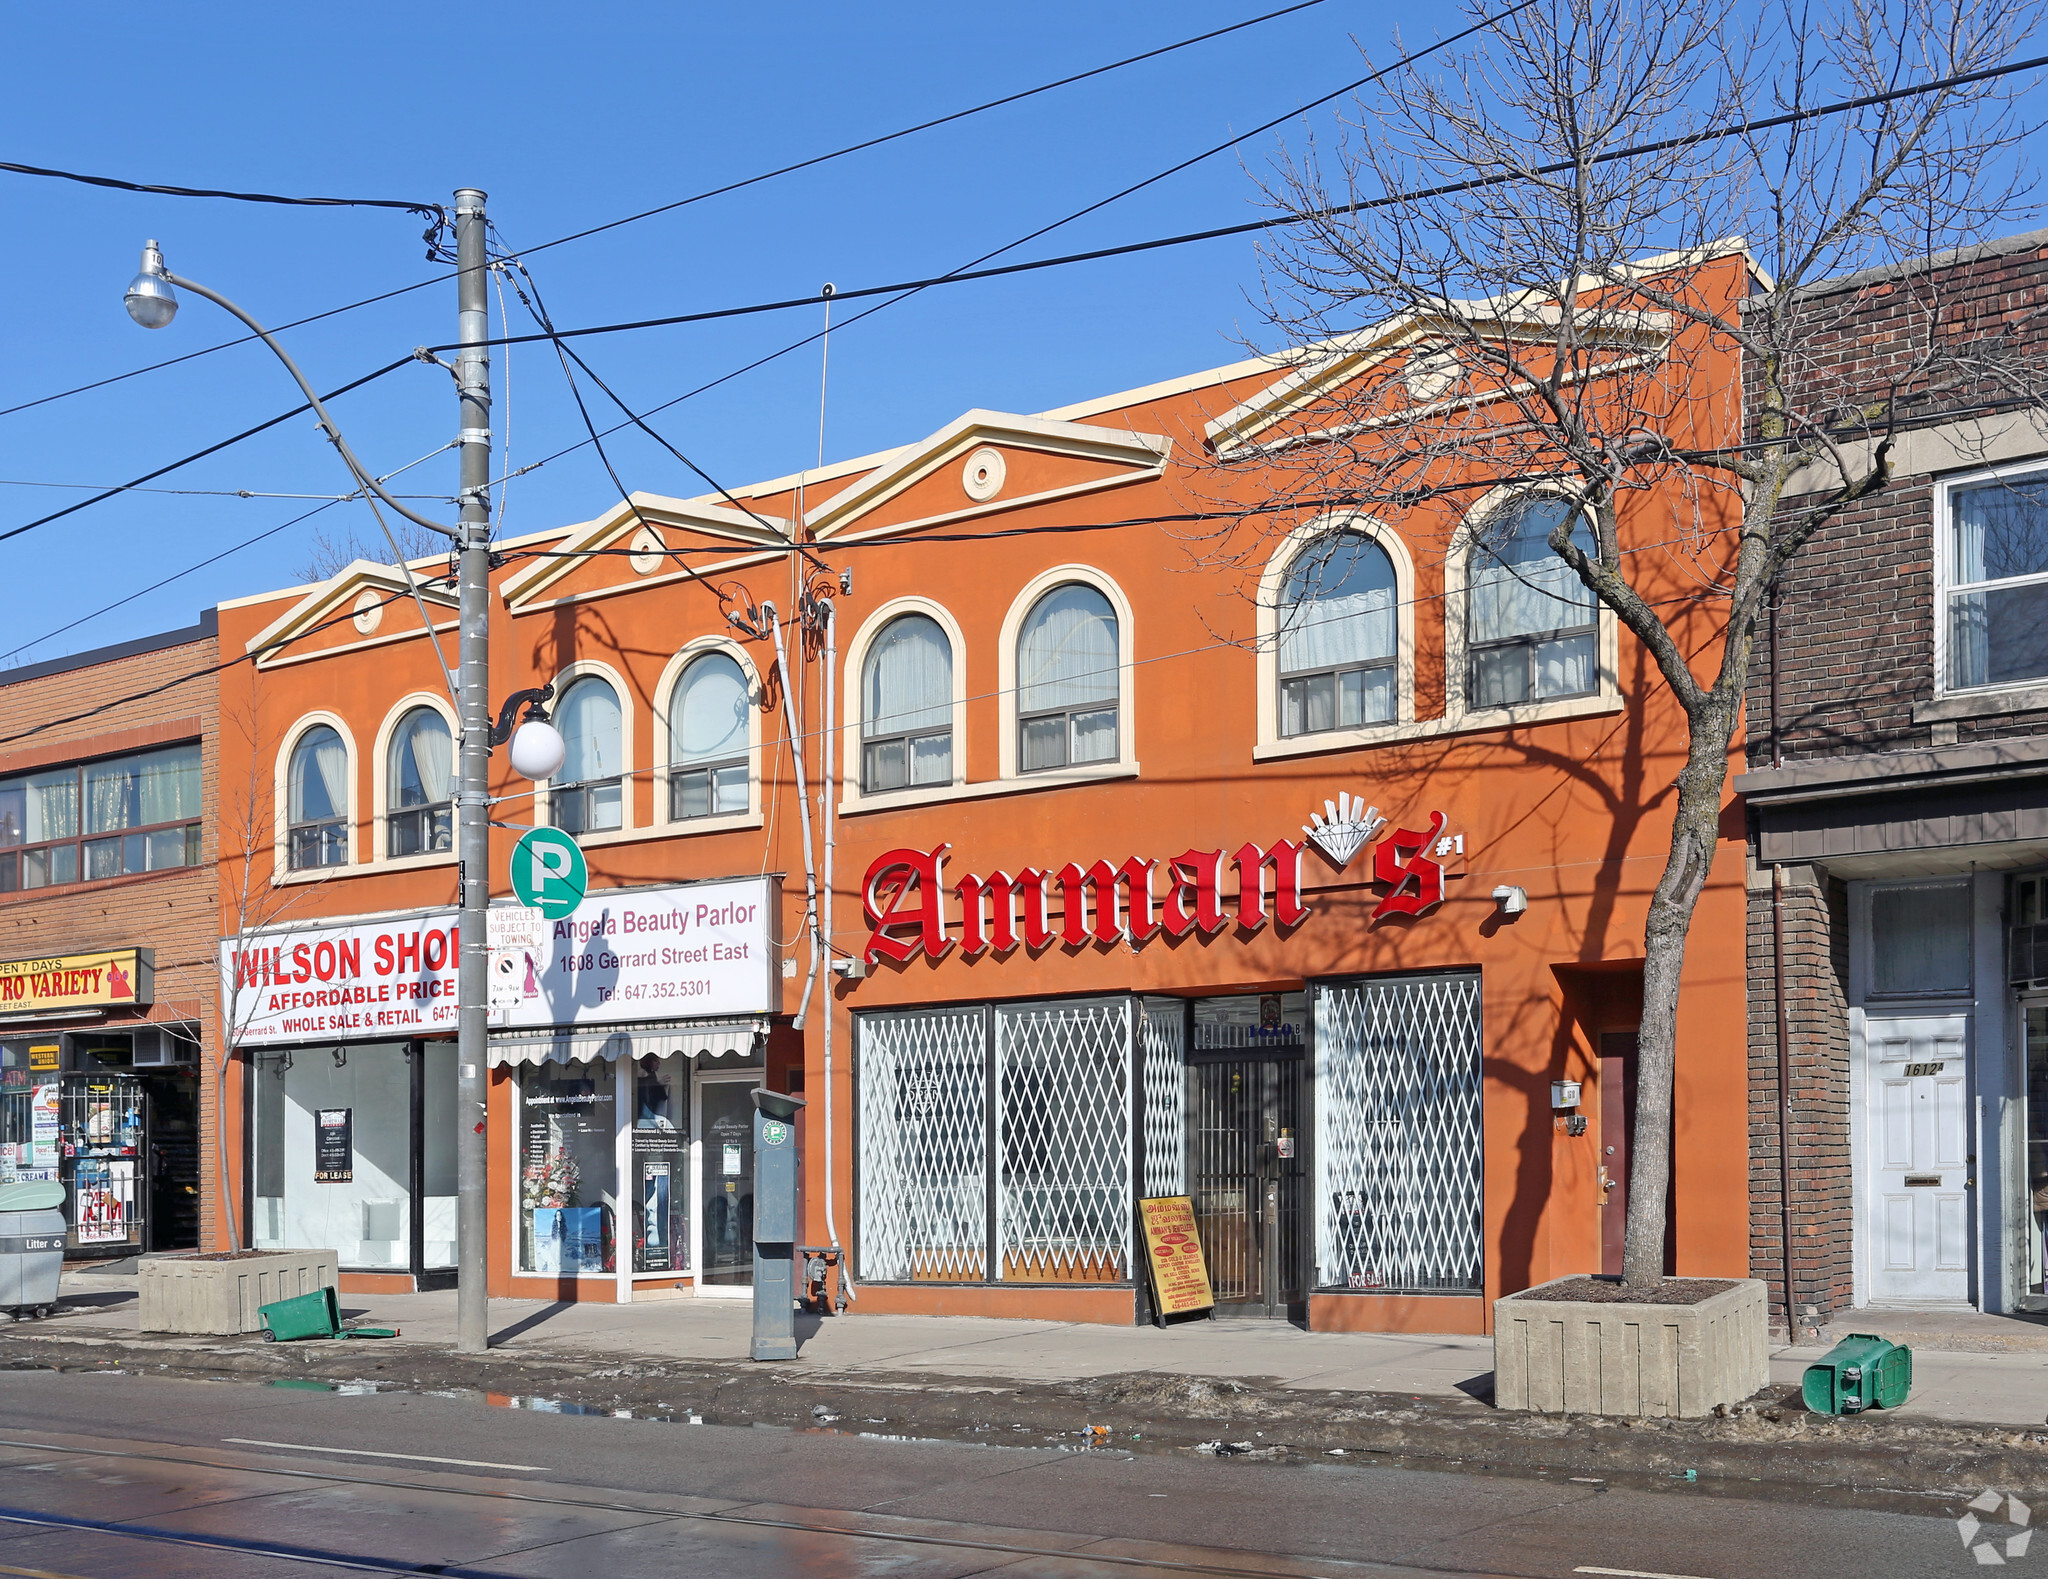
x: 175, y: 913
x: 1856, y: 622
x: 1816, y: 926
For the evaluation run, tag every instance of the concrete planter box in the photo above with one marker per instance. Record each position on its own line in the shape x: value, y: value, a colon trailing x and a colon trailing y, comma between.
x: 1577, y: 1357
x: 196, y: 1294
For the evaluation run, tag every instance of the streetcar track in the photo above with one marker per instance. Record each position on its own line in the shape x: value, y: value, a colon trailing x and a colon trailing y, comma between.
x: 595, y: 1505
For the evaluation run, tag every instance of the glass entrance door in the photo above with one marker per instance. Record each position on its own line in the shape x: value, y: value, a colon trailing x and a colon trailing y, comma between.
x: 725, y: 1182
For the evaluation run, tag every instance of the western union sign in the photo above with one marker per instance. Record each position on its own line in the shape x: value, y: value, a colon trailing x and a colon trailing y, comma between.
x: 110, y: 978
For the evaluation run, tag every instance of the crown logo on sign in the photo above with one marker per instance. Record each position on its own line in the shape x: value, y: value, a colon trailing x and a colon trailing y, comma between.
x: 1350, y: 826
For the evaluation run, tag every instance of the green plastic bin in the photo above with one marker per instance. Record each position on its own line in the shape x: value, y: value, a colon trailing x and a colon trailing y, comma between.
x: 1861, y: 1372
x: 314, y: 1315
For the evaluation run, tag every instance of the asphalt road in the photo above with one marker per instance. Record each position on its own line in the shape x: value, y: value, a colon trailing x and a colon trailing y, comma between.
x: 109, y: 1475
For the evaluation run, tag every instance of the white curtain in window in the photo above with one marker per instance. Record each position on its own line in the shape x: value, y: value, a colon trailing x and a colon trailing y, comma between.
x: 52, y: 805
x: 319, y: 777
x: 1067, y: 656
x: 422, y: 755
x: 1338, y: 608
x: 109, y: 802
x: 908, y: 686
x: 589, y: 721
x: 168, y: 785
x: 707, y: 715
x: 1518, y: 587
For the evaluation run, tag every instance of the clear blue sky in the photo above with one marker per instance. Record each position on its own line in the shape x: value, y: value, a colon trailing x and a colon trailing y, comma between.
x: 569, y: 117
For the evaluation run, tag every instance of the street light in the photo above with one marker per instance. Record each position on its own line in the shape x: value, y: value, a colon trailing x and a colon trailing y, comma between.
x: 152, y: 301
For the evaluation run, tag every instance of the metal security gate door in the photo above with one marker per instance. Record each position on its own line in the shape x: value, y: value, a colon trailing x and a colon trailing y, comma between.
x: 1247, y: 1176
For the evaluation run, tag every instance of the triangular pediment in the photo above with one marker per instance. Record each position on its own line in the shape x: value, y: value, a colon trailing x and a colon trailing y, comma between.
x: 949, y: 478
x: 641, y: 539
x: 1411, y: 360
x: 359, y: 603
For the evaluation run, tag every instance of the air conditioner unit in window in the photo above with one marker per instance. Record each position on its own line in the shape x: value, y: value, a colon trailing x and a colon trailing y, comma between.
x: 157, y: 1049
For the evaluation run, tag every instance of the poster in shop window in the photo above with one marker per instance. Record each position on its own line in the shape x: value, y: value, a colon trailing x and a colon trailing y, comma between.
x: 334, y: 1145
x: 103, y: 1190
x: 1173, y: 1250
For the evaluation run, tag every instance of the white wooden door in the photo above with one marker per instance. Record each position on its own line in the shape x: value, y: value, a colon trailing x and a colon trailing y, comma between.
x: 1918, y: 1194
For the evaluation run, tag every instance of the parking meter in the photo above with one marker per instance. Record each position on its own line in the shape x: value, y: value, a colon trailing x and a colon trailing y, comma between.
x: 775, y: 1225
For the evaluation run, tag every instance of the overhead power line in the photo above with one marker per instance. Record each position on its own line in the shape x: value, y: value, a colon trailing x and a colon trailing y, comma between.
x: 429, y: 209
x: 1252, y: 227
x: 211, y: 449
x: 731, y: 186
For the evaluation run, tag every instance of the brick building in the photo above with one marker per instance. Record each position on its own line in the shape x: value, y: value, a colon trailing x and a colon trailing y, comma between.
x: 109, y: 899
x: 1898, y: 788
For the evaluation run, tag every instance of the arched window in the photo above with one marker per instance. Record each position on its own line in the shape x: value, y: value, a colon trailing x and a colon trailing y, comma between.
x: 587, y: 795
x: 1337, y: 637
x: 316, y: 793
x: 708, y: 739
x: 1533, y: 628
x: 419, y: 813
x: 1067, y: 680
x: 906, y: 715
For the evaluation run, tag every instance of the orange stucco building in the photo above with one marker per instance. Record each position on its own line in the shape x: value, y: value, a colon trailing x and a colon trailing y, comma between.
x: 1379, y: 811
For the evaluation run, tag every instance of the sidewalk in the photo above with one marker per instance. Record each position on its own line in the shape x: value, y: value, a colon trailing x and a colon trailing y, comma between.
x: 2006, y: 1385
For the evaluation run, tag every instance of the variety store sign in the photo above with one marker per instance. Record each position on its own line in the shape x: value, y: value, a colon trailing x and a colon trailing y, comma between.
x: 121, y: 976
x: 621, y: 955
x: 911, y: 903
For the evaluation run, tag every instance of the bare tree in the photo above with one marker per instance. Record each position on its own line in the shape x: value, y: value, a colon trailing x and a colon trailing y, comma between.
x: 332, y: 551
x: 1468, y: 268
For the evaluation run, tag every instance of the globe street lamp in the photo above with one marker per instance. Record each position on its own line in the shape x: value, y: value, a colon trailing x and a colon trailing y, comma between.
x: 537, y: 748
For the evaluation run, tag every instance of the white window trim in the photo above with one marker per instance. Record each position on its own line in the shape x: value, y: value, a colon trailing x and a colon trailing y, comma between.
x: 1606, y: 697
x: 1126, y: 678
x: 281, y: 799
x: 1945, y: 490
x: 544, y: 789
x: 380, y: 787
x: 1273, y: 586
x: 664, y: 690
x: 853, y: 702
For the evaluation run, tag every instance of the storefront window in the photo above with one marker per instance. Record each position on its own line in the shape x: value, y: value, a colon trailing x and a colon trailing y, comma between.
x: 333, y: 1145
x: 1060, y: 1170
x: 1920, y: 940
x: 437, y: 1156
x: 1399, y: 1152
x: 661, y: 1172
x: 568, y: 1173
x: 2036, y: 1216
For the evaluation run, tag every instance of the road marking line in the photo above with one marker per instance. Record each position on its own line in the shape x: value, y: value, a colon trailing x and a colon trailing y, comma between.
x: 1632, y: 1573
x: 428, y: 1458
x: 36, y: 1573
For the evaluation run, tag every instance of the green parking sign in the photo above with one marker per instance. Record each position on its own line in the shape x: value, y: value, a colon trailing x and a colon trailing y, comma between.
x: 548, y: 872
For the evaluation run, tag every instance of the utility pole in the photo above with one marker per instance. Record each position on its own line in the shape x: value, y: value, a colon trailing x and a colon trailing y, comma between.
x: 472, y: 796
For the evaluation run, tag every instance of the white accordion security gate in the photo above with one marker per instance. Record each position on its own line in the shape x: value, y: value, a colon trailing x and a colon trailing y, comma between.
x: 1399, y: 1160
x: 1009, y: 1142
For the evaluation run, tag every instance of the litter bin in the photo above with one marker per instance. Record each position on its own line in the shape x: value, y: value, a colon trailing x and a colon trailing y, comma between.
x: 314, y: 1315
x: 31, y: 1246
x: 1861, y: 1372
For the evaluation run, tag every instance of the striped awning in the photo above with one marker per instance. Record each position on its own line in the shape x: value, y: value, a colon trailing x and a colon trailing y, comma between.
x: 689, y: 1038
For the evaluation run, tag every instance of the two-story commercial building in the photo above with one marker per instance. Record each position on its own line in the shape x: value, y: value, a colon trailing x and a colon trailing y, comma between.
x: 1303, y: 889
x: 109, y: 1039
x: 1898, y: 781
